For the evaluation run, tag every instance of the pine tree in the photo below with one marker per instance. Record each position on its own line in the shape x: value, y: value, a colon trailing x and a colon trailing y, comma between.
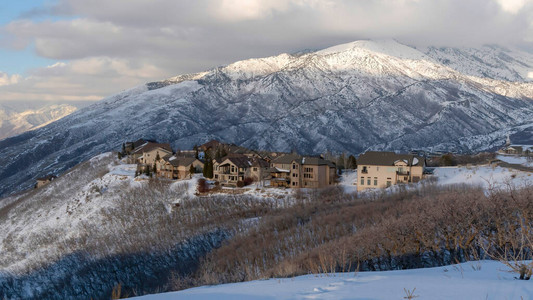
x: 123, y: 149
x: 205, y: 170
x: 352, y: 162
x: 196, y: 152
x: 218, y: 154
x: 191, y: 171
x: 340, y: 162
x: 210, y: 169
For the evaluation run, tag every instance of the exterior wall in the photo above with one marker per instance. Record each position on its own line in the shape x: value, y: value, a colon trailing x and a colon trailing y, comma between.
x: 296, y: 178
x: 384, y: 176
x: 258, y: 173
x: 230, y: 174
x: 149, y: 157
x: 41, y: 183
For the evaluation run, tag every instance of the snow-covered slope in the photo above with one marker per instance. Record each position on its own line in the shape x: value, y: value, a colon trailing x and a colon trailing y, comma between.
x: 471, y: 280
x: 351, y: 97
x: 88, y: 230
x: 13, y: 122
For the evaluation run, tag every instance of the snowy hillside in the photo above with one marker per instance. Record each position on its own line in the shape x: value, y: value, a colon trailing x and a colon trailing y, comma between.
x: 471, y: 280
x: 351, y: 97
x: 94, y: 218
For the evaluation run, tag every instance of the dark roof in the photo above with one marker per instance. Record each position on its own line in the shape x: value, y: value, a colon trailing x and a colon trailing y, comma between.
x: 388, y: 159
x: 151, y: 146
x: 315, y: 161
x: 179, y: 160
x: 259, y: 162
x: 240, y: 161
x: 286, y: 159
x: 47, y: 178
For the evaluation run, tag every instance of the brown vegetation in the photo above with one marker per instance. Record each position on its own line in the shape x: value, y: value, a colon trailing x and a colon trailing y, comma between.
x: 331, y: 232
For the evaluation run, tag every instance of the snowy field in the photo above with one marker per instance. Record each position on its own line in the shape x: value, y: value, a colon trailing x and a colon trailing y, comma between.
x: 517, y: 160
x: 471, y: 280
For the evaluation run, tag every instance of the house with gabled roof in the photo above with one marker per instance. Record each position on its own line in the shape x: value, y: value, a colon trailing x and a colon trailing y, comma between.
x: 234, y: 167
x: 177, y: 167
x: 295, y: 171
x: 149, y: 152
x: 382, y: 169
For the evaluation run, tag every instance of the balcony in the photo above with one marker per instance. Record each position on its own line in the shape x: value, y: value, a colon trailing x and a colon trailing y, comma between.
x: 402, y: 173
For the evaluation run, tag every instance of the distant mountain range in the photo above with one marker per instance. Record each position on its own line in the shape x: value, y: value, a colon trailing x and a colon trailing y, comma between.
x: 14, y: 120
x: 351, y: 97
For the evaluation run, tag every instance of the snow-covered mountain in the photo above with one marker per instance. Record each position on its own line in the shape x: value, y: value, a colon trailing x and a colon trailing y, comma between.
x: 16, y: 121
x: 351, y: 97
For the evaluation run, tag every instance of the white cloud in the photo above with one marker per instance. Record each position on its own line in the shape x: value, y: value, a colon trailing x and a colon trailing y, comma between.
x: 78, y: 80
x: 5, y: 79
x: 513, y: 6
x: 105, y: 46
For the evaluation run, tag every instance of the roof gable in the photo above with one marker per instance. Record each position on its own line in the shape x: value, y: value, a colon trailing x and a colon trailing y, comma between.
x: 389, y: 159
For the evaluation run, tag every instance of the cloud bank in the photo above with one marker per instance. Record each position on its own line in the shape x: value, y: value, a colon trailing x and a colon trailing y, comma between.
x: 107, y: 46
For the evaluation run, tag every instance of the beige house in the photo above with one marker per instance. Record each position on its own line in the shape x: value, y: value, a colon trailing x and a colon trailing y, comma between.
x: 231, y: 169
x: 173, y: 167
x: 44, y: 180
x: 148, y: 153
x: 296, y: 171
x: 383, y: 169
x: 237, y: 167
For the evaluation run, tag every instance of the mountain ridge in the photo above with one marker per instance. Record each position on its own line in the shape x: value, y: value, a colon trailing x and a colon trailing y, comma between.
x: 362, y: 95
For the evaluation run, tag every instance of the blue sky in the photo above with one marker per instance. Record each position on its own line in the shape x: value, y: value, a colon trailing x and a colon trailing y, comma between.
x: 19, y: 61
x: 87, y: 49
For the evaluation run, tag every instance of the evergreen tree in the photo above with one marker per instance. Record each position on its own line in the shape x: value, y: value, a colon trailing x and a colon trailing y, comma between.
x: 191, y: 171
x: 352, y: 162
x: 123, y: 149
x: 340, y: 162
x: 147, y: 170
x: 119, y: 155
x: 210, y: 169
x: 218, y: 154
x: 205, y: 170
x: 196, y: 152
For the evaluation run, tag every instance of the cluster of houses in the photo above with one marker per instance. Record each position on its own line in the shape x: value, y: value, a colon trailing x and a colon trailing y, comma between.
x: 234, y: 166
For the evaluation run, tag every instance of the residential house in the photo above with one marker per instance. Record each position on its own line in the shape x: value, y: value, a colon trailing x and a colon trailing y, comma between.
x: 147, y: 154
x: 522, y: 150
x: 260, y: 168
x: 383, y: 169
x: 233, y: 168
x: 295, y: 171
x: 173, y: 167
x: 44, y: 180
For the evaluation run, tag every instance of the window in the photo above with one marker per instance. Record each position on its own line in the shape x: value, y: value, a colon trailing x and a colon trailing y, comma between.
x: 375, y: 181
x: 362, y: 181
x: 255, y: 169
x: 368, y: 181
x: 294, y: 174
x: 232, y: 169
x: 365, y: 170
x: 294, y: 166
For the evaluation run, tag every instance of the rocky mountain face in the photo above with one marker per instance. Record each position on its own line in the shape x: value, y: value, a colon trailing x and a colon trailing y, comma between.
x: 15, y: 121
x: 351, y: 97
